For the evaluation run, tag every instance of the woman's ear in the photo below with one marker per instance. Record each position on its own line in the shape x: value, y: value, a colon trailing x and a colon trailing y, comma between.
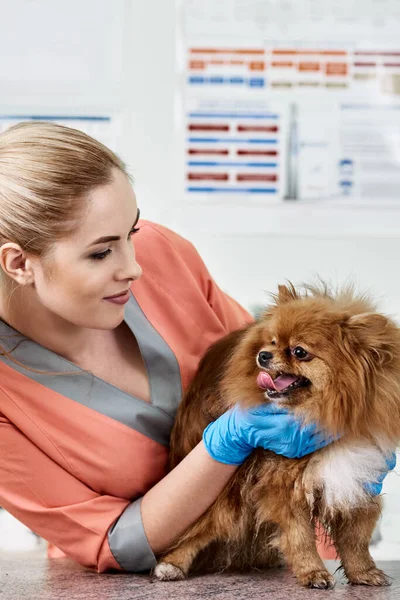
x: 16, y: 264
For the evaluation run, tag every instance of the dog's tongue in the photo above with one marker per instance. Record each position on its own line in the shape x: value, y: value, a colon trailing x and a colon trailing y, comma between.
x: 283, y: 381
x: 265, y: 381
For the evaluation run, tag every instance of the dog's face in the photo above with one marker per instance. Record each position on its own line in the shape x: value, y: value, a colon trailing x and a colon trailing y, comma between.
x: 301, y: 350
x: 333, y: 359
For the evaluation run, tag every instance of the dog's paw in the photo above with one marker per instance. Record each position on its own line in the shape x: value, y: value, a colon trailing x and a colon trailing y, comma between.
x: 373, y: 576
x: 320, y: 579
x: 168, y: 572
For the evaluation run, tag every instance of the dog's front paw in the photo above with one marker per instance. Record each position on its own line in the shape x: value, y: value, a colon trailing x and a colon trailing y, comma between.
x: 320, y: 579
x: 168, y: 572
x: 373, y: 576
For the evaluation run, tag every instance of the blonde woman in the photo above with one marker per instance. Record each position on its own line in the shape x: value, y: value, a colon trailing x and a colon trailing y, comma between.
x: 102, y: 327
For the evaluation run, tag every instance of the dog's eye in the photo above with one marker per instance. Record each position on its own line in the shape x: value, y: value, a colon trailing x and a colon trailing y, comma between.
x: 273, y: 343
x: 301, y: 354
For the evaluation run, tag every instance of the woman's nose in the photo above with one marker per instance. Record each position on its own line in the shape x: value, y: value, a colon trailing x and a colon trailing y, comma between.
x: 130, y: 268
x: 136, y: 271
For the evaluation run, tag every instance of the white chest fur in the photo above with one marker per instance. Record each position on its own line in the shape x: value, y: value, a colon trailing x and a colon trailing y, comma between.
x: 340, y: 472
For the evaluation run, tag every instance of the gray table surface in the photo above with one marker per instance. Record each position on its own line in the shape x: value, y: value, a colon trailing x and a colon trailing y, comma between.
x: 33, y: 576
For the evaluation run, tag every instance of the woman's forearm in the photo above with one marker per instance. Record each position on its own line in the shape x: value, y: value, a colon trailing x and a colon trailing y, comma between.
x: 182, y: 496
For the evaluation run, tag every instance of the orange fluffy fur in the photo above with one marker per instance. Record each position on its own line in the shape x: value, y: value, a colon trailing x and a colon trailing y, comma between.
x: 268, y: 511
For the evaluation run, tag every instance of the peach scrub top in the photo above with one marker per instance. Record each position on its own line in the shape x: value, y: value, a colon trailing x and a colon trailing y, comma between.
x: 76, y: 453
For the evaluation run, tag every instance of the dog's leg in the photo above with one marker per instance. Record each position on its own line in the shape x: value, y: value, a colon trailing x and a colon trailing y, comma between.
x: 176, y: 564
x: 298, y: 544
x: 220, y: 522
x: 266, y: 557
x: 352, y: 535
x: 264, y: 552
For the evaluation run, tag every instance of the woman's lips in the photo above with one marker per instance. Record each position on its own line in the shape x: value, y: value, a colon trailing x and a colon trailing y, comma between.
x: 120, y: 298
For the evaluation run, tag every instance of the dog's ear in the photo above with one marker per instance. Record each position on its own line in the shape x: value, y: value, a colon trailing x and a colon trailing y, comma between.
x: 375, y: 334
x: 366, y: 325
x: 286, y: 293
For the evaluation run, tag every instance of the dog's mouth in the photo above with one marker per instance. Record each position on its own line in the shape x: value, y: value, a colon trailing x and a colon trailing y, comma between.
x: 282, y: 385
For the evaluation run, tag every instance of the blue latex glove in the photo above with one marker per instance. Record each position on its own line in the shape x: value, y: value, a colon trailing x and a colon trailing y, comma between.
x: 232, y: 437
x: 375, y: 488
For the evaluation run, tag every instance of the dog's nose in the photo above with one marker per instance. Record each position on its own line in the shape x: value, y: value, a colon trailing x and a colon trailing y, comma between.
x: 264, y: 358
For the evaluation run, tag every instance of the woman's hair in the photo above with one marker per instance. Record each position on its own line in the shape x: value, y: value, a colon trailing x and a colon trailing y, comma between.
x: 46, y: 174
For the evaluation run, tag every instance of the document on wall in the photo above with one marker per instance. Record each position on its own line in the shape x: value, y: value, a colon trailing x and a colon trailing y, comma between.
x: 103, y: 128
x: 290, y: 99
x: 235, y: 140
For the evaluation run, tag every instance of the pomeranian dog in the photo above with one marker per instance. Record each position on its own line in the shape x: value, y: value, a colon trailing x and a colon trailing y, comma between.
x: 330, y: 359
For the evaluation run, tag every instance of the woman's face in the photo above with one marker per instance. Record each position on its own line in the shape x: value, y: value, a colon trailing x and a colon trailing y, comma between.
x: 95, y: 262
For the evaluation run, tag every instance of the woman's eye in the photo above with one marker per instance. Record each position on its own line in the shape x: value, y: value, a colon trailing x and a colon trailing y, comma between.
x: 100, y: 255
x: 301, y: 354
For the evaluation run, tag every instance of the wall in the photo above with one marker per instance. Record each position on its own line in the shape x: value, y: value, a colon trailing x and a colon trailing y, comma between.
x: 142, y: 92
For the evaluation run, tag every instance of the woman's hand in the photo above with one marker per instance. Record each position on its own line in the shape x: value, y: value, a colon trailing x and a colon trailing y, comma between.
x: 232, y: 437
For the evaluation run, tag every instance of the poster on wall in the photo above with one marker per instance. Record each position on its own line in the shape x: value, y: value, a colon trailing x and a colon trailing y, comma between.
x: 290, y: 100
x: 103, y: 128
x: 235, y: 148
